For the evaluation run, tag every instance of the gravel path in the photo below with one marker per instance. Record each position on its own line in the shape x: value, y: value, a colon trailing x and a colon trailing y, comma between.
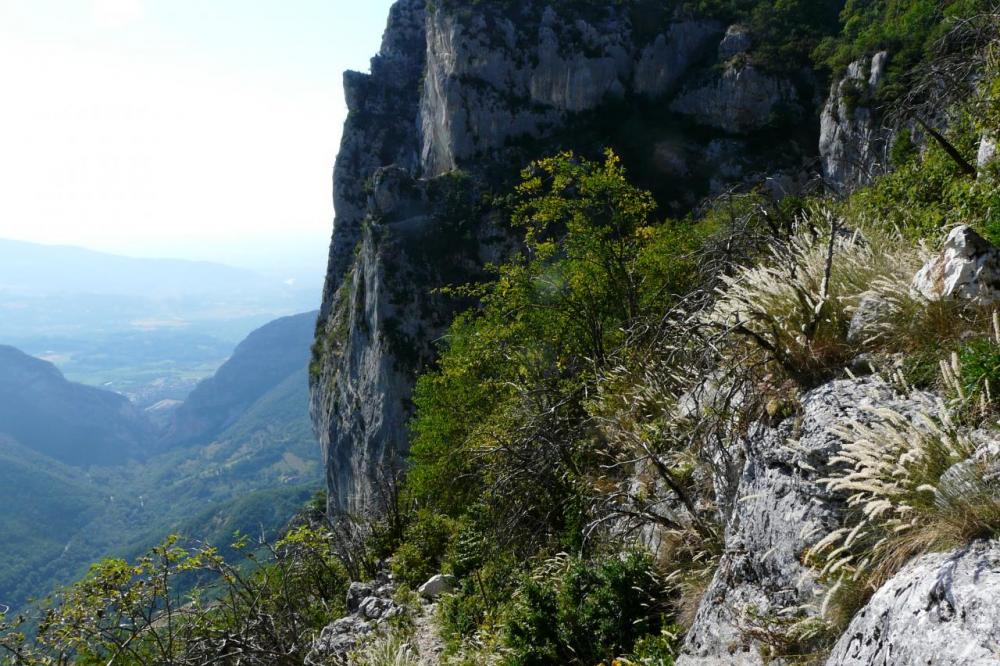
x: 425, y: 637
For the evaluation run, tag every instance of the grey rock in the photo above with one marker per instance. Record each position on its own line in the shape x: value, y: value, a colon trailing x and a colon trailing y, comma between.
x: 987, y: 152
x: 852, y: 143
x: 383, y: 108
x: 436, y: 586
x: 737, y: 40
x: 337, y: 640
x: 967, y: 268
x: 742, y: 99
x: 781, y: 510
x: 663, y: 62
x: 941, y: 610
x: 357, y: 593
x: 871, y: 310
x: 375, y: 608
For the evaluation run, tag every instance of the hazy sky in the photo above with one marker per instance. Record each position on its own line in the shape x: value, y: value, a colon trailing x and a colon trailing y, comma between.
x: 201, y: 129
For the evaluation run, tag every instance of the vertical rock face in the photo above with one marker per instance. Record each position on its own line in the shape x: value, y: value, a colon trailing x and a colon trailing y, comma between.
x: 741, y: 100
x: 495, y: 76
x: 484, y: 88
x: 852, y: 143
x: 382, y: 111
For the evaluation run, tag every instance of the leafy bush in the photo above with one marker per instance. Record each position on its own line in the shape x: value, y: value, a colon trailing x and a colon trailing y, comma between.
x: 907, y: 29
x: 574, y: 611
x: 135, y: 614
x: 926, y: 195
x: 425, y: 542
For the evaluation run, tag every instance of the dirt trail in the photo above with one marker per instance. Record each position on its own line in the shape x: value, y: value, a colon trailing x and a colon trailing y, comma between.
x: 426, y: 641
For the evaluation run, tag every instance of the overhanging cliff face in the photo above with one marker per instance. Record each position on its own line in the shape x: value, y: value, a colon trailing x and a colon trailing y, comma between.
x: 481, y: 90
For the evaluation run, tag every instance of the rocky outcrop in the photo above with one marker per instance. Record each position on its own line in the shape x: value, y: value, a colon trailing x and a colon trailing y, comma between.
x: 853, y: 144
x: 941, y: 609
x: 738, y: 40
x: 419, y: 235
x: 742, y: 99
x: 379, y: 130
x: 782, y: 510
x: 370, y: 607
x: 482, y: 89
x: 494, y: 77
x: 967, y: 268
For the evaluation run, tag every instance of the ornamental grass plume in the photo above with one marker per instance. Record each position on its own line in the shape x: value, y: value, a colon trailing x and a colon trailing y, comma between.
x: 914, y: 484
x: 795, y: 307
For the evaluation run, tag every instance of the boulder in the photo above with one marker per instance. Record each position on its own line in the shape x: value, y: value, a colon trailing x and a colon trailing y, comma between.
x: 967, y: 268
x: 337, y: 640
x: 436, y: 586
x: 941, y: 609
x: 357, y: 593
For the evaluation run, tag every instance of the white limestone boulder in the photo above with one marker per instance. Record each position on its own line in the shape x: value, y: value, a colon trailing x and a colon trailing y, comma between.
x: 967, y: 268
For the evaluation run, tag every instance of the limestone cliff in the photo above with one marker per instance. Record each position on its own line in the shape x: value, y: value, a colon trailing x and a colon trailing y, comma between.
x: 853, y: 143
x: 459, y: 98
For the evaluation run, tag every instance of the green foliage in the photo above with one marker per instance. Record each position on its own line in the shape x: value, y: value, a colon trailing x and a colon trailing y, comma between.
x: 136, y: 614
x: 926, y: 194
x: 595, y: 260
x: 907, y: 29
x: 979, y: 361
x: 656, y: 650
x: 425, y: 542
x: 575, y: 611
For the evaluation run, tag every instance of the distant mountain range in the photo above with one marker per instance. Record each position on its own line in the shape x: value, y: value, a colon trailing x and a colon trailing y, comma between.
x: 267, y: 357
x: 71, y: 423
x: 85, y: 474
x: 52, y: 290
x: 32, y: 268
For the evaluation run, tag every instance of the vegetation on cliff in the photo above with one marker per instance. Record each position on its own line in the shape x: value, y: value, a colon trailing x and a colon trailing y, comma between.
x: 574, y: 449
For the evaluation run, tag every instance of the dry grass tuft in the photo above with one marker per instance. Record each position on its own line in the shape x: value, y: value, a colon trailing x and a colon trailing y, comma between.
x: 914, y: 485
x: 796, y: 307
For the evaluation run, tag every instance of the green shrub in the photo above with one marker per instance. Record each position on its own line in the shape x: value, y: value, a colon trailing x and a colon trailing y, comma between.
x: 425, y: 542
x: 577, y: 611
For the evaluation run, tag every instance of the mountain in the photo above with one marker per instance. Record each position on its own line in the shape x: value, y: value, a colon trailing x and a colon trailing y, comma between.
x: 247, y: 461
x: 71, y: 423
x: 32, y: 268
x: 796, y: 423
x: 452, y: 111
x: 267, y: 357
x: 44, y: 503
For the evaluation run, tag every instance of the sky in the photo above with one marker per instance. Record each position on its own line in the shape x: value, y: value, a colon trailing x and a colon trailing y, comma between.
x: 198, y: 129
